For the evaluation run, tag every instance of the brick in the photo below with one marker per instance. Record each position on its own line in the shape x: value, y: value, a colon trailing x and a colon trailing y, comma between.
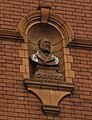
x: 3, y: 117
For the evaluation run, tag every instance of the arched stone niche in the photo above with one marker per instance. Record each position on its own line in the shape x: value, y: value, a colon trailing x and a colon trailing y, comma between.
x: 32, y: 27
x: 42, y: 29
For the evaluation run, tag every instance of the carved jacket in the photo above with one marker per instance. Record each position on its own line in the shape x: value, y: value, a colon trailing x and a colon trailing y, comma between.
x: 40, y: 58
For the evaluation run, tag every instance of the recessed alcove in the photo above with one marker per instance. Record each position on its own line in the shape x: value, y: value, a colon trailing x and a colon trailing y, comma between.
x: 42, y: 29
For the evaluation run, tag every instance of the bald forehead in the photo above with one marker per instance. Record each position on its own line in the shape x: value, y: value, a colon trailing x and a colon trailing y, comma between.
x: 45, y: 40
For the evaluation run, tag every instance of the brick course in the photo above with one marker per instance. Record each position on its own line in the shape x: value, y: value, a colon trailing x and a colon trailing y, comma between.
x: 18, y: 104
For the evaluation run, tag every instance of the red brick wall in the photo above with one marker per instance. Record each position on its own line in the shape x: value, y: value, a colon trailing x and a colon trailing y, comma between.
x: 79, y: 105
x: 15, y: 102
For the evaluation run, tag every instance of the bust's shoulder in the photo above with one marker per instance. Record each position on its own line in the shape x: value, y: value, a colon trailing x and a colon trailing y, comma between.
x: 34, y: 57
x: 56, y: 59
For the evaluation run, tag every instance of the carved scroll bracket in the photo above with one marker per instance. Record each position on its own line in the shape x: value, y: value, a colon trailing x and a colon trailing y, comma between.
x: 49, y: 93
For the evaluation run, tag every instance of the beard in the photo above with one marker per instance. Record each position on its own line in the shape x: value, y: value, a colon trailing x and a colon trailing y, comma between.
x: 46, y: 49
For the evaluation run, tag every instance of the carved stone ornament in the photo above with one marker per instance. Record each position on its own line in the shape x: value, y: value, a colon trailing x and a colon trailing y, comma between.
x: 47, y: 36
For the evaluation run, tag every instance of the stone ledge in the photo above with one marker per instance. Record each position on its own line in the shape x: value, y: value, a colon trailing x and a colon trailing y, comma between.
x: 49, y: 85
x: 11, y: 35
x: 77, y: 42
x: 50, y: 110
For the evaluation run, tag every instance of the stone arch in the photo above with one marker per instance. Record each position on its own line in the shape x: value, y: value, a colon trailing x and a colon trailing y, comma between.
x: 56, y: 21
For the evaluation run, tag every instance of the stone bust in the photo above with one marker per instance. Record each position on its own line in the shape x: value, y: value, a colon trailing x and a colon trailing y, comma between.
x: 44, y: 56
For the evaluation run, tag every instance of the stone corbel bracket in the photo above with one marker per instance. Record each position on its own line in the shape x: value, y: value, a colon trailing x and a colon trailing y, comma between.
x: 49, y: 93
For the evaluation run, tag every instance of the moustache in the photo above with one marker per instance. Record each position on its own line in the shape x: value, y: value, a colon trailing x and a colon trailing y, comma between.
x: 48, y: 46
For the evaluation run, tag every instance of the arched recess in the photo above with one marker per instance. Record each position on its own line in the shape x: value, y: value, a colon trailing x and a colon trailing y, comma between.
x: 60, y: 25
x: 56, y: 21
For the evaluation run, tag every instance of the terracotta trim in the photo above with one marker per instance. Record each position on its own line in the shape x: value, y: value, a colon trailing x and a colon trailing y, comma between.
x: 52, y: 19
x: 44, y: 15
x: 45, y: 11
x: 50, y: 110
x: 11, y: 35
x: 48, y: 6
x: 49, y: 85
x: 87, y: 44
